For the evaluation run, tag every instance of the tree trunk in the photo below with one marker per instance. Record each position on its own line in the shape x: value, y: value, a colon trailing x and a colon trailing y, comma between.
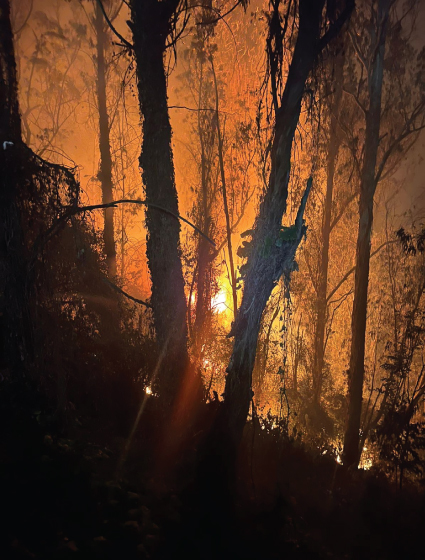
x: 14, y: 308
x: 105, y: 173
x: 322, y: 288
x: 270, y: 256
x: 151, y: 27
x: 264, y: 355
x: 368, y: 183
x: 297, y: 358
x: 224, y: 193
x: 203, y: 292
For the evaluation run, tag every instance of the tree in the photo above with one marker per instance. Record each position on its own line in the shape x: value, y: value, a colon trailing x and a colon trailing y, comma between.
x: 105, y: 173
x: 379, y: 156
x: 50, y: 89
x: 272, y: 249
x: 32, y: 194
x: 152, y: 23
x: 390, y: 419
x: 221, y: 185
x: 16, y: 338
x: 332, y: 151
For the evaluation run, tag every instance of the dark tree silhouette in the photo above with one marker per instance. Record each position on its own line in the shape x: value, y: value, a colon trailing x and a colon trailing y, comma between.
x: 152, y: 23
x: 105, y: 173
x: 14, y: 303
x: 333, y: 147
x: 379, y: 28
x: 32, y: 194
x: 272, y: 249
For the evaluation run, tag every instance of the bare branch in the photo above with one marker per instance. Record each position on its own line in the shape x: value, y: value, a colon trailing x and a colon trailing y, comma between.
x: 350, y: 272
x: 342, y: 210
x: 407, y: 131
x: 80, y: 209
x: 356, y: 99
x: 121, y: 291
x: 114, y: 31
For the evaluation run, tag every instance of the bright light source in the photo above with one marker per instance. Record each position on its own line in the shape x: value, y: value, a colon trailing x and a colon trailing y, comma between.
x: 218, y: 302
x: 366, y: 464
x: 148, y: 391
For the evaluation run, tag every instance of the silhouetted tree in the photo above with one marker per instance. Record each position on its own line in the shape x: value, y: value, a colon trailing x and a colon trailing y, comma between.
x: 152, y: 24
x: 32, y: 194
x: 272, y: 249
x: 374, y: 97
x: 13, y: 290
x: 333, y: 148
x: 105, y: 173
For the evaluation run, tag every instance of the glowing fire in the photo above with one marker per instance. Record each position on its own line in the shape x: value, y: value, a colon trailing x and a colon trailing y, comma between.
x: 218, y: 302
x: 148, y: 391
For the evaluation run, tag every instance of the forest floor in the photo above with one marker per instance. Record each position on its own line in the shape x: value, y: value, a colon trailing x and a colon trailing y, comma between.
x: 69, y: 495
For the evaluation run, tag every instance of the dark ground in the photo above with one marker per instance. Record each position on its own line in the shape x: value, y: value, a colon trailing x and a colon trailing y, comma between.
x: 63, y: 495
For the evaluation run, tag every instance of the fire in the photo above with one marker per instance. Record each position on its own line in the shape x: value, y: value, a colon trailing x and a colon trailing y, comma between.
x: 218, y: 302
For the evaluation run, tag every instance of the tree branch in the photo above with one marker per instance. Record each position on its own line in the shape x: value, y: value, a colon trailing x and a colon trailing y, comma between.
x: 336, y: 27
x: 407, y: 132
x: 350, y: 272
x: 79, y: 209
x: 342, y: 210
x: 121, y: 291
x: 114, y: 31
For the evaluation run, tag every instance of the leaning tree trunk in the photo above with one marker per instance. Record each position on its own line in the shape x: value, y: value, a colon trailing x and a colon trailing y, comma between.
x: 368, y: 183
x: 272, y: 249
x: 14, y: 310
x: 151, y: 27
x: 322, y: 288
x: 105, y: 174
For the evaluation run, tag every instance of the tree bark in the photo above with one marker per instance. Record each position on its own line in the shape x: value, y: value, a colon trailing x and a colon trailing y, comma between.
x: 322, y: 288
x: 352, y: 452
x: 105, y: 173
x: 151, y: 25
x: 14, y: 308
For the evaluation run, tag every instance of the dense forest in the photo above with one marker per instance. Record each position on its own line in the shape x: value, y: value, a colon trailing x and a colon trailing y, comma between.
x: 212, y: 279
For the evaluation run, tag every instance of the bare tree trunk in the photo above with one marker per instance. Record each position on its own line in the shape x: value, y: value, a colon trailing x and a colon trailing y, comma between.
x: 204, y: 258
x: 224, y: 193
x: 151, y: 25
x: 105, y: 174
x: 322, y: 288
x: 367, y: 190
x: 14, y: 308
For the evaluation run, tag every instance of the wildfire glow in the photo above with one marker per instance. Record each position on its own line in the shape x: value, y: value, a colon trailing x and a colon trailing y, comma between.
x: 218, y: 302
